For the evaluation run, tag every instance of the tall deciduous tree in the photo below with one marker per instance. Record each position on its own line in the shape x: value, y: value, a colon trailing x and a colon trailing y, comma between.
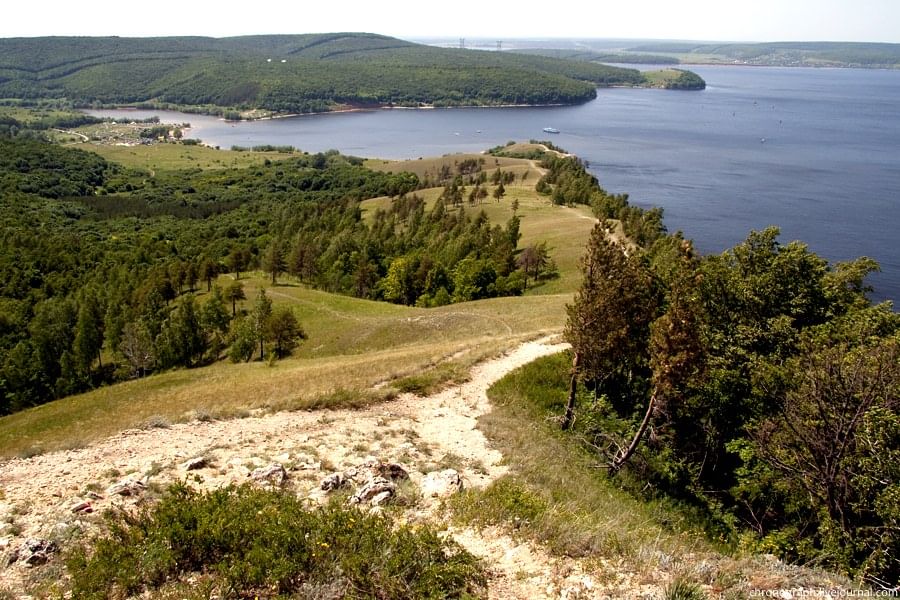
x: 836, y: 438
x: 136, y: 347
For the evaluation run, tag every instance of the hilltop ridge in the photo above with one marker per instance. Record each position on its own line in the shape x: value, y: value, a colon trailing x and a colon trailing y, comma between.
x: 290, y: 73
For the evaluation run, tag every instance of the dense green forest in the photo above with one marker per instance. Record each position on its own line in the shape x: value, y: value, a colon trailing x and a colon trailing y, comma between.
x: 809, y: 54
x: 100, y: 261
x: 759, y: 386
x: 290, y: 73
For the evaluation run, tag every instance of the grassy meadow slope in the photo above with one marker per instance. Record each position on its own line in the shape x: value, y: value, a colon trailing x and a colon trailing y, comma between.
x: 353, y: 346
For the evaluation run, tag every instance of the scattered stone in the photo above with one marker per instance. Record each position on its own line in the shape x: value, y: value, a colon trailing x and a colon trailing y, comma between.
x: 333, y: 482
x: 374, y: 478
x: 391, y: 471
x: 283, y: 458
x: 381, y: 498
x: 33, y: 552
x: 83, y: 507
x: 377, y: 487
x: 309, y: 466
x: 94, y: 496
x: 201, y: 462
x: 126, y: 487
x: 441, y: 484
x: 372, y: 468
x: 273, y: 475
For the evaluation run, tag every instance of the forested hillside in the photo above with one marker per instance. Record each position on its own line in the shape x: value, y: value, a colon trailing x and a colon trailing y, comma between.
x: 290, y: 73
x: 111, y: 277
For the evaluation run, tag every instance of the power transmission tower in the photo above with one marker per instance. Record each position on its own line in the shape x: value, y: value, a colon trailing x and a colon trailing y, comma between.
x: 462, y: 43
x: 499, y: 45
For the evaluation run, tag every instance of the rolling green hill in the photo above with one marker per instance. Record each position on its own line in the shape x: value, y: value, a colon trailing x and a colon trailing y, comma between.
x: 290, y: 73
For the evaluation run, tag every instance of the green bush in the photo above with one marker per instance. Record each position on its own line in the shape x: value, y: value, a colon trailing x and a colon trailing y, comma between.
x: 505, y: 501
x: 253, y: 542
x: 681, y: 589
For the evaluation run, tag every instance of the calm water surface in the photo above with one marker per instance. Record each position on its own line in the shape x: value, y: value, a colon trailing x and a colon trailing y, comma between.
x: 813, y: 151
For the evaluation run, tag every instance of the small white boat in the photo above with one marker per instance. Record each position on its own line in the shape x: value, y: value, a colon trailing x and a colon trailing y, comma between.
x: 551, y: 130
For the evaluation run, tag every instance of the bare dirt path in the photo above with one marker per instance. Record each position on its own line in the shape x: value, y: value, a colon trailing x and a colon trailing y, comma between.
x: 37, y: 494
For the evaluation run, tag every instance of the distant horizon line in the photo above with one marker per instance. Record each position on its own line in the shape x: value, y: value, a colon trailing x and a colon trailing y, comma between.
x: 471, y: 38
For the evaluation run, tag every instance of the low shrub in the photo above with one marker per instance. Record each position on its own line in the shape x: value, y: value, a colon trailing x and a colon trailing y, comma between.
x: 259, y: 543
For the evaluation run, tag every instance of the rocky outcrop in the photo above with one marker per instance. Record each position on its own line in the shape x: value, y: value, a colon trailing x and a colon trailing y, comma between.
x: 126, y: 487
x: 33, y: 552
x: 441, y: 484
x: 273, y: 475
x: 374, y: 492
x: 375, y: 481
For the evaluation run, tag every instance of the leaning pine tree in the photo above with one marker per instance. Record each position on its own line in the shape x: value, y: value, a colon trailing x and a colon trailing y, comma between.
x: 609, y: 320
x: 676, y: 348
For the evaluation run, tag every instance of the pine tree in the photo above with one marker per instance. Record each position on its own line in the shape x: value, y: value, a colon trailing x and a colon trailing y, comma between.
x: 284, y: 331
x: 214, y: 320
x: 609, y: 319
x: 88, y: 334
x: 262, y: 309
x: 273, y: 260
x: 235, y: 292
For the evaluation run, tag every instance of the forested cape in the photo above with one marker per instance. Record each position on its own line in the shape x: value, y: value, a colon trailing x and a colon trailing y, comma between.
x: 290, y: 73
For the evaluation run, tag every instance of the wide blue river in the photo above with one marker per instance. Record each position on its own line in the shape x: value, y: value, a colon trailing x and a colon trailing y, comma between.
x: 814, y: 151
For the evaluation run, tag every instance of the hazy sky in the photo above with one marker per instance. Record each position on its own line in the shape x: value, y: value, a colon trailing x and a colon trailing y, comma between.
x: 725, y: 20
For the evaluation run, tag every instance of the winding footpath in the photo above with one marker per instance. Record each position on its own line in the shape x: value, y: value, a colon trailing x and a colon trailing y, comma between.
x: 424, y: 434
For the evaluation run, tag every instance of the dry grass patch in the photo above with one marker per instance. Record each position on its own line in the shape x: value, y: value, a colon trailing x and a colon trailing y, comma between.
x: 163, y: 157
x: 226, y: 390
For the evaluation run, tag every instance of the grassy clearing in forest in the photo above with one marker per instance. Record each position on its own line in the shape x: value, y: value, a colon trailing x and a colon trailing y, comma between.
x: 172, y: 156
x: 564, y: 229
